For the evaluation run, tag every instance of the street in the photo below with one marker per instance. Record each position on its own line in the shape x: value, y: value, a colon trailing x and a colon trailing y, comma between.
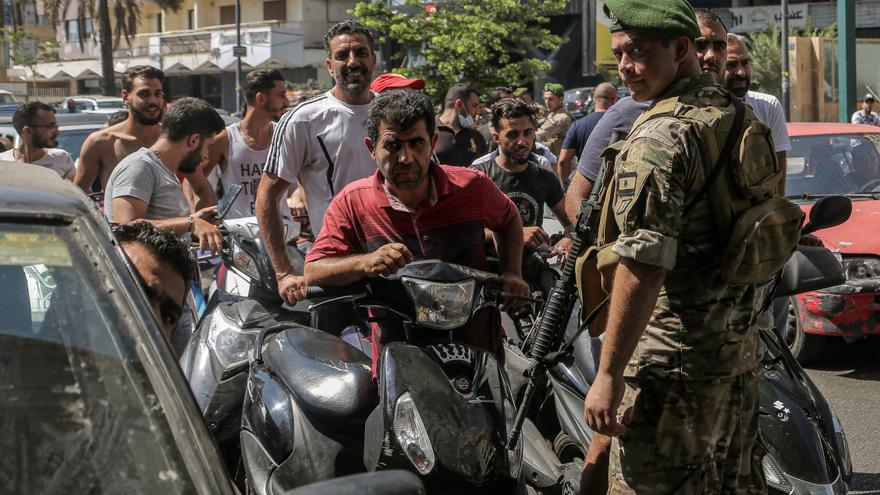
x: 849, y: 377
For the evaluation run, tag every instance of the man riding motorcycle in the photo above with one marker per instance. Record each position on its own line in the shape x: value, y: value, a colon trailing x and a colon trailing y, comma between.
x: 415, y: 208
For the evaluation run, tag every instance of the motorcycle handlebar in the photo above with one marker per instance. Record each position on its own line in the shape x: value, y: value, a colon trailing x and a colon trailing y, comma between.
x: 315, y: 292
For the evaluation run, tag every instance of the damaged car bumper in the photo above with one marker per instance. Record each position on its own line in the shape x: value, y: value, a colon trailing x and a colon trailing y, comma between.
x: 849, y: 310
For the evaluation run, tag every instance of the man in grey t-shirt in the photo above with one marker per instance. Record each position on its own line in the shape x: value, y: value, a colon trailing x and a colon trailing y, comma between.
x: 143, y: 186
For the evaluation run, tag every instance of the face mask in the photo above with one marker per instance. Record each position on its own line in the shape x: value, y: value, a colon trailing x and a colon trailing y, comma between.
x: 465, y: 120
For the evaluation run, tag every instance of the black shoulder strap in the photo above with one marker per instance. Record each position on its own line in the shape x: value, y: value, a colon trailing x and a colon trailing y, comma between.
x: 726, y: 153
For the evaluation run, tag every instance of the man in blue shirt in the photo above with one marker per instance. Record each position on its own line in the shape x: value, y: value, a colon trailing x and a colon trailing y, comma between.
x: 605, y: 95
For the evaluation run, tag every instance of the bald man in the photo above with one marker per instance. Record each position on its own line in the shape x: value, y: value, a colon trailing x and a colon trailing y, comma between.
x: 768, y: 110
x: 605, y: 95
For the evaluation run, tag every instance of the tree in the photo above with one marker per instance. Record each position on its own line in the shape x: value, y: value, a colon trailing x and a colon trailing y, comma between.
x: 486, y: 43
x: 27, y: 49
x: 766, y: 55
x: 109, y: 35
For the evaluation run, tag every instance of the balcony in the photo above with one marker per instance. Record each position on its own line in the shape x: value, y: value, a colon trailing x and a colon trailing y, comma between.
x: 206, y: 50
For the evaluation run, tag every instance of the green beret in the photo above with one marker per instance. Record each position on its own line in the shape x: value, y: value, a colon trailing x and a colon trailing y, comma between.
x: 555, y: 88
x: 666, y: 18
x: 520, y: 91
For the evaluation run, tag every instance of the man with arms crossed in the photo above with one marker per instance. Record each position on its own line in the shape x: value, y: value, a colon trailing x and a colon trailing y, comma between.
x: 413, y: 208
x: 319, y: 144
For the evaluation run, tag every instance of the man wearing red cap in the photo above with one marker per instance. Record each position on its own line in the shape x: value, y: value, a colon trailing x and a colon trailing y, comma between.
x: 390, y: 80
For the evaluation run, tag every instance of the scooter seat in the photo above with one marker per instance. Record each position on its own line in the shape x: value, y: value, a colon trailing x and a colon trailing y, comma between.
x: 327, y: 376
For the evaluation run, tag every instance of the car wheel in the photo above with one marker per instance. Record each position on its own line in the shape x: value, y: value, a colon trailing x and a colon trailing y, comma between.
x: 805, y: 347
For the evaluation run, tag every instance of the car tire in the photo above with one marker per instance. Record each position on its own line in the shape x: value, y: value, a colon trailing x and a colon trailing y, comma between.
x: 805, y: 347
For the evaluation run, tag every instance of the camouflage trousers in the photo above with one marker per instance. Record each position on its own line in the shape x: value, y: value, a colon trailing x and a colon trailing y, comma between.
x: 689, y: 437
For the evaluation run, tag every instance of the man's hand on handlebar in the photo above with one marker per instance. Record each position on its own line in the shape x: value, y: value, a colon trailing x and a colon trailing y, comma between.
x: 206, y: 231
x: 291, y: 288
x: 386, y: 260
x: 534, y: 237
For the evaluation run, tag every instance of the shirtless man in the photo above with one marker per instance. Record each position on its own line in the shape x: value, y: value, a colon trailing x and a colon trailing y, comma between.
x: 143, y: 94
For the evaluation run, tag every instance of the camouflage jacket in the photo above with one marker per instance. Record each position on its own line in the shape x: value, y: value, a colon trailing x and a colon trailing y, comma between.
x: 552, y: 131
x: 701, y: 328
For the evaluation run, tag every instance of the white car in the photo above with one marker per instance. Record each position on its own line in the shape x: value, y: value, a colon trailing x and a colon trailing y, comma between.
x: 95, y: 104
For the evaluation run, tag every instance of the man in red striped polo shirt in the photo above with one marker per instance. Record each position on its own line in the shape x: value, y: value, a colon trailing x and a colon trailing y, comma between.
x: 413, y: 208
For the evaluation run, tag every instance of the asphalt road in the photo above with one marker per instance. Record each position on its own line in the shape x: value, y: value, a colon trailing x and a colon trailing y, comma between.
x: 849, y: 377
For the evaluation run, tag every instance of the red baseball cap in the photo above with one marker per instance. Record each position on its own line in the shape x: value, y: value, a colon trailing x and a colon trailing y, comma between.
x: 390, y: 80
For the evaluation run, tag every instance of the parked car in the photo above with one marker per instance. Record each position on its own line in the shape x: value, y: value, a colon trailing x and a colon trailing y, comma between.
x: 578, y: 101
x: 95, y: 104
x: 830, y: 159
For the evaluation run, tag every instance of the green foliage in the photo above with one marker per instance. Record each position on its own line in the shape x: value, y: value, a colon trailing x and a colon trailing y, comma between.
x: 766, y: 55
x: 486, y: 43
x: 27, y: 49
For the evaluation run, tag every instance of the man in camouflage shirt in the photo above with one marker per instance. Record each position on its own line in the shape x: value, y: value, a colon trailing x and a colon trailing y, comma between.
x: 681, y: 347
x: 552, y: 131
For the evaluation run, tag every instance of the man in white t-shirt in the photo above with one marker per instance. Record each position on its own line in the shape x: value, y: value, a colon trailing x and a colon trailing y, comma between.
x: 767, y: 108
x: 866, y: 115
x: 320, y: 145
x: 240, y: 150
x: 36, y: 125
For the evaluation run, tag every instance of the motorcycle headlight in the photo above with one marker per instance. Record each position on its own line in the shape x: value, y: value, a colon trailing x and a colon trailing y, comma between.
x: 412, y: 435
x: 244, y: 263
x: 842, y: 447
x: 775, y: 477
x: 861, y: 268
x: 230, y: 344
x: 440, y: 305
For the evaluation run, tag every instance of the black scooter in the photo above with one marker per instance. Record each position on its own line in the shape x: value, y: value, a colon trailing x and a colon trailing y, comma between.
x: 215, y: 359
x: 807, y: 449
x: 439, y: 408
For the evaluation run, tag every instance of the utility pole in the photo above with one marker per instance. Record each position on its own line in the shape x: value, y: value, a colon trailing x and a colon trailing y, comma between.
x: 588, y: 37
x: 846, y: 58
x: 238, y: 51
x: 786, y: 98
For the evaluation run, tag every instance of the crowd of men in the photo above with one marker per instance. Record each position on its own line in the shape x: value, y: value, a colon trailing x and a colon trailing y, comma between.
x: 385, y: 179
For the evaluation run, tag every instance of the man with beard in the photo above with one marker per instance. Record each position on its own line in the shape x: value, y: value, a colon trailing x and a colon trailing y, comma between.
x: 529, y: 185
x: 144, y: 185
x: 866, y: 115
x: 36, y: 125
x: 319, y: 145
x: 241, y: 149
x: 413, y: 208
x: 712, y: 44
x: 144, y: 95
x: 458, y: 140
x: 768, y: 110
x: 553, y: 128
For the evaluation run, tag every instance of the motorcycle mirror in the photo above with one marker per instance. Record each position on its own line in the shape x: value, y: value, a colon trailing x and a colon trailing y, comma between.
x: 828, y: 212
x: 809, y: 268
x: 391, y: 482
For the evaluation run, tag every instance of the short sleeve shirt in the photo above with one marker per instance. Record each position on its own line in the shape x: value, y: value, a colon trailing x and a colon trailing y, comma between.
x: 320, y: 145
x: 701, y: 328
x: 769, y: 112
x: 143, y: 176
x: 579, y: 132
x: 458, y: 148
x: 860, y: 117
x: 54, y: 159
x: 617, y: 121
x: 529, y: 190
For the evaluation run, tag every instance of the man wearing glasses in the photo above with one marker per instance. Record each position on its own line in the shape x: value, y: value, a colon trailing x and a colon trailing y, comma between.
x: 36, y: 125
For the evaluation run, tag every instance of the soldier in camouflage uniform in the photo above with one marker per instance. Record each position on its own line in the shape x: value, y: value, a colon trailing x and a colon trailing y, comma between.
x: 681, y: 347
x: 552, y: 130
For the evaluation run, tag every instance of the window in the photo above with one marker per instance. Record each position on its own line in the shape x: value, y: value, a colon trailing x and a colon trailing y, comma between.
x: 87, y: 29
x: 227, y: 14
x: 275, y: 10
x: 160, y: 22
x: 71, y: 30
x: 833, y: 164
x: 191, y: 19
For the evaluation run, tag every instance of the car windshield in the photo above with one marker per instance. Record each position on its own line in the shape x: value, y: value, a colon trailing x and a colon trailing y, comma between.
x: 6, y: 98
x: 833, y: 164
x: 71, y: 140
x: 78, y: 413
x: 111, y: 104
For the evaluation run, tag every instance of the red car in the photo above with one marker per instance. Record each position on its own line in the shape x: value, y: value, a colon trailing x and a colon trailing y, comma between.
x: 837, y: 159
